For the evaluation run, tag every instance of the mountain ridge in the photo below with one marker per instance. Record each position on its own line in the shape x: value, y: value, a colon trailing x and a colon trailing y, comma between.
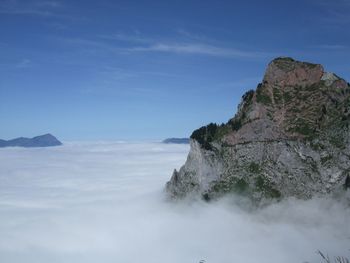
x: 45, y: 140
x: 175, y: 140
x: 289, y: 137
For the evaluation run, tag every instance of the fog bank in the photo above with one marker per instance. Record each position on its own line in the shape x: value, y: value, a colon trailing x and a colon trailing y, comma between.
x: 104, y: 202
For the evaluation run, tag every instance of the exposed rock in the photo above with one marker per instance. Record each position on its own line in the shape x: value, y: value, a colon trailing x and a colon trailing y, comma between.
x: 45, y: 140
x: 290, y: 137
x: 288, y: 72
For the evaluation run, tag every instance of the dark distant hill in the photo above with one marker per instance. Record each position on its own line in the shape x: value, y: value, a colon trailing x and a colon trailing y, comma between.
x: 177, y: 140
x: 45, y: 140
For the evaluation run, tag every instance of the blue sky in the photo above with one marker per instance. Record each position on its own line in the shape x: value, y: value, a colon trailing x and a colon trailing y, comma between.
x: 146, y: 70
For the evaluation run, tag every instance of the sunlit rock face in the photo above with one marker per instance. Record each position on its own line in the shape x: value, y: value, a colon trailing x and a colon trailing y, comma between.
x: 290, y: 137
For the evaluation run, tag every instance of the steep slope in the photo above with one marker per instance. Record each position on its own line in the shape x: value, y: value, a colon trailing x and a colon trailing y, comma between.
x: 290, y: 137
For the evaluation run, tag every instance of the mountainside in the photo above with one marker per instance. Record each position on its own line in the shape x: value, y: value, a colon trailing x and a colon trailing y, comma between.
x: 177, y: 140
x: 290, y: 137
x: 45, y: 140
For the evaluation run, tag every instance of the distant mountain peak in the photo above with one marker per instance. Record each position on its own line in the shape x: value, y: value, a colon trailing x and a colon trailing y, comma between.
x: 177, y: 141
x: 45, y: 140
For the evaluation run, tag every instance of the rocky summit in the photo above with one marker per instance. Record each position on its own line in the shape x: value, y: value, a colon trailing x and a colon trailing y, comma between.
x: 289, y: 137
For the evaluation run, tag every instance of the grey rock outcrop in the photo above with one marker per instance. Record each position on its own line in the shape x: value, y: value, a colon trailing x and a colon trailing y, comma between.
x: 290, y: 137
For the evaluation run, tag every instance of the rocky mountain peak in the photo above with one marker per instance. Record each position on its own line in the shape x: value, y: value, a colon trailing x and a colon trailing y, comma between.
x: 285, y: 71
x: 289, y: 137
x: 295, y: 100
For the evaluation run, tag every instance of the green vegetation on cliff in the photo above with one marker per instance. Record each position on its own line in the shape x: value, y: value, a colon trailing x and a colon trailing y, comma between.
x: 262, y: 96
x: 205, y: 135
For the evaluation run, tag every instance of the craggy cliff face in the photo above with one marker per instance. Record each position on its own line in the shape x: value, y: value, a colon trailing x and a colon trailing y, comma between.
x: 290, y: 137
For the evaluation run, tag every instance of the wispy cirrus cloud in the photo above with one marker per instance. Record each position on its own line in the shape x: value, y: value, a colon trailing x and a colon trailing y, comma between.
x: 13, y: 64
x: 147, y: 45
x: 331, y: 46
x: 36, y: 8
x: 83, y: 42
x: 197, y: 49
x: 111, y: 80
x: 48, y: 3
x: 335, y: 12
x: 194, y: 36
x: 338, y: 16
x: 136, y: 38
x: 118, y: 73
x: 333, y: 3
x: 184, y: 43
x: 24, y: 63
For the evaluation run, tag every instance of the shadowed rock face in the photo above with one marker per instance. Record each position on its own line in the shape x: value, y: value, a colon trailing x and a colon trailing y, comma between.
x: 45, y: 140
x: 290, y: 137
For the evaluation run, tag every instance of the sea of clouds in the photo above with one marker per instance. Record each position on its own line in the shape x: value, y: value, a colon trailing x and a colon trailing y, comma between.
x: 104, y: 202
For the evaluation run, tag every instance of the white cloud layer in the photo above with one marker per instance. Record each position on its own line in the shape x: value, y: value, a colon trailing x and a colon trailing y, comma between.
x: 103, y: 202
